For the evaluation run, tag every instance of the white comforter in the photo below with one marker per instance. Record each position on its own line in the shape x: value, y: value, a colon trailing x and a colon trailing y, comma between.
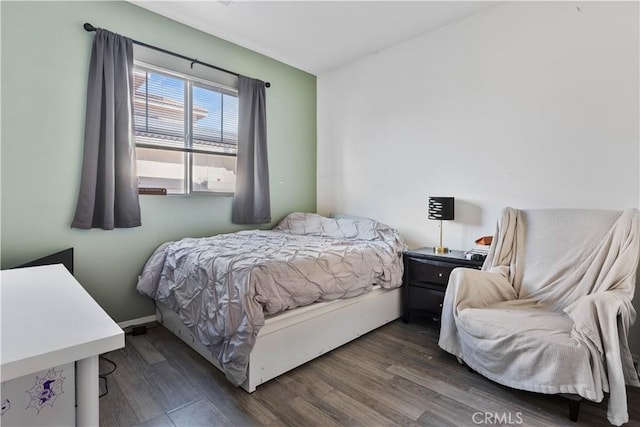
x: 222, y: 286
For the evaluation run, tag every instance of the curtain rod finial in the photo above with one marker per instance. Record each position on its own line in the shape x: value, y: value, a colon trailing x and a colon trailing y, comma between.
x: 267, y: 84
x: 88, y: 27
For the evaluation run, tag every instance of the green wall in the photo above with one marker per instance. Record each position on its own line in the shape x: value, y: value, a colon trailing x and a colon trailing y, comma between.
x: 45, y: 58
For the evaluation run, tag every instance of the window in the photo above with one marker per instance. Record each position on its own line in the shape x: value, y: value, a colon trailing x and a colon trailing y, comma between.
x: 186, y: 132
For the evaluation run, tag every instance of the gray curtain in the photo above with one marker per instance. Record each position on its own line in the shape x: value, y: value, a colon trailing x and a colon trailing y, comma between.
x: 108, y: 196
x: 251, y: 202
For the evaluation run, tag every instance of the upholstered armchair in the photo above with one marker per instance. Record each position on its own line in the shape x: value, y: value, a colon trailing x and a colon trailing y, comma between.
x: 551, y: 308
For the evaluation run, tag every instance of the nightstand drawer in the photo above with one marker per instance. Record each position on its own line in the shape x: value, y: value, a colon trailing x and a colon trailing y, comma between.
x: 424, y: 299
x: 426, y: 275
x: 429, y: 271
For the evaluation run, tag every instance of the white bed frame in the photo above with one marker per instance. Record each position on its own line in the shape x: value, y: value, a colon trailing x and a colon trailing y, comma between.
x: 294, y: 337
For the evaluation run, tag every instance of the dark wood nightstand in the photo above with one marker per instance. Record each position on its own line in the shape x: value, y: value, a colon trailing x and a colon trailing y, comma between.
x: 426, y: 275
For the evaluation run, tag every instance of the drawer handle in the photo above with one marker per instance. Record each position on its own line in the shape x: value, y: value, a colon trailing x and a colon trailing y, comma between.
x: 439, y: 274
x: 440, y: 305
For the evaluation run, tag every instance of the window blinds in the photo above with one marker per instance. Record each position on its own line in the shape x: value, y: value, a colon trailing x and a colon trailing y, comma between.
x: 175, y: 112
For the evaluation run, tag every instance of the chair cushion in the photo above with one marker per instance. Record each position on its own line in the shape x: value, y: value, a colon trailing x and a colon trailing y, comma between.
x: 522, y: 345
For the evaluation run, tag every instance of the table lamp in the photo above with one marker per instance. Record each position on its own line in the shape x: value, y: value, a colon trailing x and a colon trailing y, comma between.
x: 441, y: 208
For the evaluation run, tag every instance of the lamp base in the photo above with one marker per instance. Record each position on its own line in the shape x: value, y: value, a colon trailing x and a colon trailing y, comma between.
x: 440, y: 250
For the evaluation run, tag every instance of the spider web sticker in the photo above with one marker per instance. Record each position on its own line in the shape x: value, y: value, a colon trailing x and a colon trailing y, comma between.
x: 45, y: 390
x: 6, y: 404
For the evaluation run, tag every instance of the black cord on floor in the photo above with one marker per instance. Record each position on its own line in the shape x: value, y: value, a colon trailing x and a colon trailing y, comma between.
x: 106, y: 386
x: 104, y: 376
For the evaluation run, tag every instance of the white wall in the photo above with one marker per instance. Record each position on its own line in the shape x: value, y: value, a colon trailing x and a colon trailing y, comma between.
x: 524, y: 105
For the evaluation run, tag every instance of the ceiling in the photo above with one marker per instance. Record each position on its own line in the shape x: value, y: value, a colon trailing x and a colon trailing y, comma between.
x: 315, y: 36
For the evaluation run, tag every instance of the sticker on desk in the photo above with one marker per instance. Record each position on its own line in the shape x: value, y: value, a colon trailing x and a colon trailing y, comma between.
x: 6, y: 404
x: 46, y: 389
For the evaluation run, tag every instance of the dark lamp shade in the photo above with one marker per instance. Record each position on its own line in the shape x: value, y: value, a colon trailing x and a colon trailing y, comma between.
x: 442, y: 208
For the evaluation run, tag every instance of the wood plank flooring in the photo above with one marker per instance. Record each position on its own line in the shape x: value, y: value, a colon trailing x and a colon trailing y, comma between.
x: 395, y: 375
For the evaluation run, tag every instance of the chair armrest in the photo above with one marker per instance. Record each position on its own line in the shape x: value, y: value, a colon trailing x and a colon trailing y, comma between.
x: 601, y: 322
x: 470, y: 288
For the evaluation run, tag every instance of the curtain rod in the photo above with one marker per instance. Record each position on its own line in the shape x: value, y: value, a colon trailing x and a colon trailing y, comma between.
x: 90, y: 28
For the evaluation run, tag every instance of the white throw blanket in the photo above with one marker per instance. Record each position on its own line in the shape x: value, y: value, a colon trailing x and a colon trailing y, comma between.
x: 551, y: 309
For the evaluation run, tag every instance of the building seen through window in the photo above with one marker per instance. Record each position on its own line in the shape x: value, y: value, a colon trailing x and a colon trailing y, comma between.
x: 186, y: 133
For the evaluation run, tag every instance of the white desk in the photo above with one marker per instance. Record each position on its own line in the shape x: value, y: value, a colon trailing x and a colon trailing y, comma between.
x: 48, y: 319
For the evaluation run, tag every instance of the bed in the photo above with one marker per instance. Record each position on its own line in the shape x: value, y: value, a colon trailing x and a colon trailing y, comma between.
x: 258, y: 303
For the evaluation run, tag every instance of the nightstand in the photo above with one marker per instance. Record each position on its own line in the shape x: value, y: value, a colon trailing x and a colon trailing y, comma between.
x: 426, y: 275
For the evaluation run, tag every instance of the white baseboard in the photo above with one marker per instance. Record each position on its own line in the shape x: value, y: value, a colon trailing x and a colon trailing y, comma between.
x: 138, y: 321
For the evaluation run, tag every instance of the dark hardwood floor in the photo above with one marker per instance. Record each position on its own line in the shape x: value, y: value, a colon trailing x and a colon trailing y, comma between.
x: 395, y: 375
